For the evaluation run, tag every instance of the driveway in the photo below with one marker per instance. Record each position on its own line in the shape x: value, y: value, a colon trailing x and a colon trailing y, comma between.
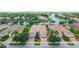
x: 42, y: 33
x: 43, y: 36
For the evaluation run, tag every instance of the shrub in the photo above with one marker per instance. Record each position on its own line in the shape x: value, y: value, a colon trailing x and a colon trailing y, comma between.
x: 2, y: 45
x: 62, y: 22
x: 53, y: 38
x: 77, y: 37
x: 4, y: 38
x: 15, y: 32
x: 37, y: 39
x: 22, y: 37
x: 65, y: 37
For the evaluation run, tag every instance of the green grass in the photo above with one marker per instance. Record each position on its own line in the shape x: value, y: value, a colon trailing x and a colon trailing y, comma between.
x: 20, y: 43
x: 37, y: 43
x: 70, y: 44
x: 54, y: 43
x: 20, y: 20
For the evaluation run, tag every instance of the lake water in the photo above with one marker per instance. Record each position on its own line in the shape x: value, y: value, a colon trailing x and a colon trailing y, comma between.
x: 57, y: 20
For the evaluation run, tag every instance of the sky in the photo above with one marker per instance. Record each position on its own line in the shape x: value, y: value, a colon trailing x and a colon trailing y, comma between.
x: 39, y: 5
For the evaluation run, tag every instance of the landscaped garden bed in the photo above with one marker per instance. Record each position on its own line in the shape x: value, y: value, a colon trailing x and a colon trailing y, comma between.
x: 77, y: 37
x: 4, y: 38
x: 47, y: 27
x: 67, y: 39
x: 37, y: 39
x: 53, y: 39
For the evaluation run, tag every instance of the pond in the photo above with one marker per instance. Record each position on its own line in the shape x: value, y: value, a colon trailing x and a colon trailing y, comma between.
x: 57, y: 20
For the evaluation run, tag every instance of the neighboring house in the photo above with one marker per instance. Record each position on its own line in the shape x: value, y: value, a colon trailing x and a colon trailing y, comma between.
x: 8, y: 18
x: 76, y: 19
x: 42, y: 17
x: 23, y: 17
x: 62, y: 29
x: 17, y: 17
x: 76, y: 26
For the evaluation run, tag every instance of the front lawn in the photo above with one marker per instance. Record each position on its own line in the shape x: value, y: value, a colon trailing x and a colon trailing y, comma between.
x: 17, y: 43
